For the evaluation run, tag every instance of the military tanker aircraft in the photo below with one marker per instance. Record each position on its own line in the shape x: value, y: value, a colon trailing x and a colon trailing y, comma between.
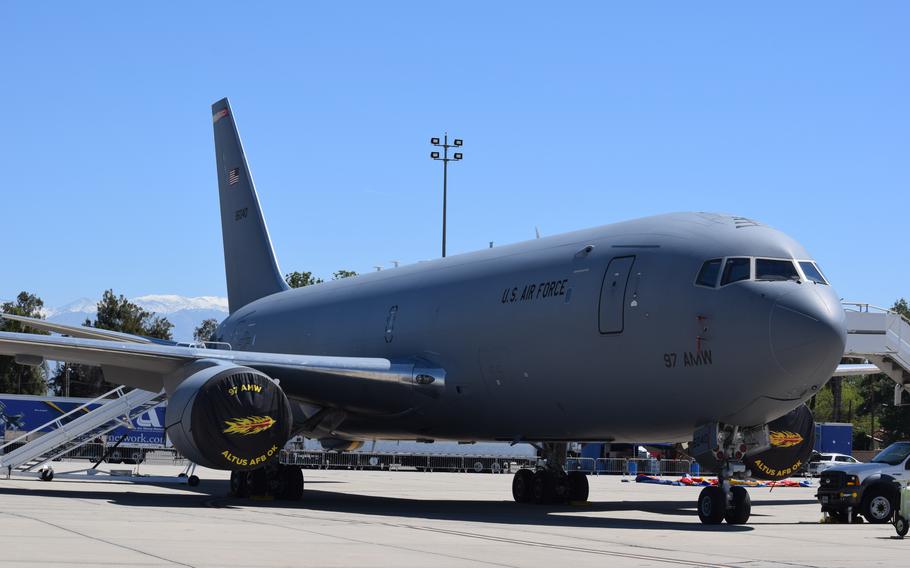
x: 688, y: 327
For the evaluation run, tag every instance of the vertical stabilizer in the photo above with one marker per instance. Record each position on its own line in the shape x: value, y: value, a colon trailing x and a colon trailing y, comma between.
x: 249, y: 260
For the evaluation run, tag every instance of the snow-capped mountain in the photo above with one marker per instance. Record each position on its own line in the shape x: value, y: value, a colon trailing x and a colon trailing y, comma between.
x: 186, y: 313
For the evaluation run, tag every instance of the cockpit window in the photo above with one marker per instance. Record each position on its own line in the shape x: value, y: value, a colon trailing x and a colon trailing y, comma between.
x: 768, y: 269
x: 707, y: 276
x: 735, y: 269
x: 812, y: 272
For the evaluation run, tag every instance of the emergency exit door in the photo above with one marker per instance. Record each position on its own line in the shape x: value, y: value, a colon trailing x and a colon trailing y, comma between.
x: 613, y: 294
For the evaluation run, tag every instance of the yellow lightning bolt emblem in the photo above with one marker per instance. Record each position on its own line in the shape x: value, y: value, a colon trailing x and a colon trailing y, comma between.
x: 785, y: 439
x: 248, y: 425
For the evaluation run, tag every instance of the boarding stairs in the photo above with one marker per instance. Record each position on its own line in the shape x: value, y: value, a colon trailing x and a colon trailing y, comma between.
x: 882, y: 337
x: 76, y: 428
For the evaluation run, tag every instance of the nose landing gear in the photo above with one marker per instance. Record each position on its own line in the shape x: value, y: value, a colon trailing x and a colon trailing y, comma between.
x: 725, y: 448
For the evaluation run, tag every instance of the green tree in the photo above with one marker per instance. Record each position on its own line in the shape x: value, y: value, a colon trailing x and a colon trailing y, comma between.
x: 205, y: 331
x: 21, y: 379
x: 301, y: 279
x: 115, y: 313
x: 339, y: 274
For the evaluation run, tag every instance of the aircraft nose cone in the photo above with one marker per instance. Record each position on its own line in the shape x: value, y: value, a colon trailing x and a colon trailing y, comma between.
x: 807, y: 336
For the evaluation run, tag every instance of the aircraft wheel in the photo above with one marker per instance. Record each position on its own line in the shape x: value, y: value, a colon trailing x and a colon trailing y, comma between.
x: 712, y: 504
x: 290, y: 483
x: 578, y: 486
x: 541, y: 487
x: 239, y: 486
x: 522, y: 486
x: 742, y: 507
x: 46, y: 475
x: 192, y: 481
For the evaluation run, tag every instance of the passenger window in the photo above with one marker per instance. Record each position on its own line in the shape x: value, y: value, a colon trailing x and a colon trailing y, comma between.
x: 735, y: 270
x: 707, y: 276
x: 812, y: 272
x: 775, y: 270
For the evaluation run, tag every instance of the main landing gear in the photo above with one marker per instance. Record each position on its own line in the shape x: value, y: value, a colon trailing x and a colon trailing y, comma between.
x: 276, y: 481
x: 549, y: 483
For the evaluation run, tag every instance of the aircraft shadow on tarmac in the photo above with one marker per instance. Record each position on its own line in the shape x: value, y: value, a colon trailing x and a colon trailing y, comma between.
x: 590, y: 515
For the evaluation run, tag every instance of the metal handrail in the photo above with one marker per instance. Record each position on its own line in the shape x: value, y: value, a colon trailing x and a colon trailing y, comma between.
x: 118, y: 391
x: 864, y: 307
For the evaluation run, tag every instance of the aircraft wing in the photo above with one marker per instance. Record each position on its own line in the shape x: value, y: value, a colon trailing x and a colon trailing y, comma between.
x: 851, y: 369
x: 77, y: 331
x: 320, y: 379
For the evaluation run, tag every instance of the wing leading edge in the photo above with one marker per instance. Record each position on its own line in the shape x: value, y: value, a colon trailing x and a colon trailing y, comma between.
x: 320, y: 379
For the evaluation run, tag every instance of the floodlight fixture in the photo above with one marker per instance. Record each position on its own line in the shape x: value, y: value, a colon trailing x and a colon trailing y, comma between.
x: 445, y: 159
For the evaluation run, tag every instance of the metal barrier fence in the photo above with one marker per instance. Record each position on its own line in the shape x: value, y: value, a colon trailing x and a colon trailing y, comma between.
x: 479, y: 464
x: 402, y: 462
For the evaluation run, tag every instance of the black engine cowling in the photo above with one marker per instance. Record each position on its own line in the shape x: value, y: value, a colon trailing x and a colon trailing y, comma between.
x: 792, y: 439
x: 228, y: 417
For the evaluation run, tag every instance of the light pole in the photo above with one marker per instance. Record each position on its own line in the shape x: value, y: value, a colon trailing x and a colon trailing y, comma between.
x: 445, y: 167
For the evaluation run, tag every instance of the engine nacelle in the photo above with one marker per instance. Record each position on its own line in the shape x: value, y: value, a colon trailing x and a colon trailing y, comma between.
x: 792, y: 438
x: 228, y: 417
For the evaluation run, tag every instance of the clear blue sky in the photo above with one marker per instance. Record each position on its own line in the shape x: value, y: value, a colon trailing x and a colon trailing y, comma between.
x: 793, y: 113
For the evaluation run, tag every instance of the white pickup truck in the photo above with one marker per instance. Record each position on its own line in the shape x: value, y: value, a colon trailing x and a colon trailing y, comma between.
x: 869, y: 489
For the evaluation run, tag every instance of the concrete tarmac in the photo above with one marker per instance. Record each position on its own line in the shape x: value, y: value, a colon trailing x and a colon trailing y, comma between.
x: 410, y: 519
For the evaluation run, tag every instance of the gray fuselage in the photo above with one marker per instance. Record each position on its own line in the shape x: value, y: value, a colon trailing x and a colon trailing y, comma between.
x: 547, y: 340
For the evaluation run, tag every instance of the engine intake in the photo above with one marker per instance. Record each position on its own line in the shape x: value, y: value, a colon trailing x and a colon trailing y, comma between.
x: 228, y: 417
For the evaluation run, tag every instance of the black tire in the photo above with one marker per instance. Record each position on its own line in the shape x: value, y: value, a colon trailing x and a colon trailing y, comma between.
x: 239, y: 486
x: 878, y: 506
x: 712, y: 504
x: 578, y: 486
x: 192, y: 481
x: 522, y: 485
x: 258, y: 482
x: 49, y: 476
x: 541, y: 487
x: 291, y: 483
x: 901, y: 525
x: 742, y: 507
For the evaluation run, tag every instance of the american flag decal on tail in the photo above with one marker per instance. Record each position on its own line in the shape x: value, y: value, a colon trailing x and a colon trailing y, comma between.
x: 233, y: 176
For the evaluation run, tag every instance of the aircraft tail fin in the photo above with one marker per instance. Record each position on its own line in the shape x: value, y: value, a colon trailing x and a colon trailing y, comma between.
x: 250, y: 265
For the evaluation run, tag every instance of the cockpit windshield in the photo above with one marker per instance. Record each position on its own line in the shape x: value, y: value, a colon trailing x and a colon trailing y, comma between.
x: 736, y: 269
x: 775, y: 270
x: 813, y: 274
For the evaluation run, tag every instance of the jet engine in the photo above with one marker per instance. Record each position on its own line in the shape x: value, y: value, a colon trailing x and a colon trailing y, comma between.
x: 792, y: 438
x: 228, y: 417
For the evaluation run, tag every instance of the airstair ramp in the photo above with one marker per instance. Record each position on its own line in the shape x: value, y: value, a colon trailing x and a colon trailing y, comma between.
x: 77, y: 428
x: 881, y: 336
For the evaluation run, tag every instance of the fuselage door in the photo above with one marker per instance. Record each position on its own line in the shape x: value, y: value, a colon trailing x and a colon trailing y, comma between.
x: 613, y: 294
